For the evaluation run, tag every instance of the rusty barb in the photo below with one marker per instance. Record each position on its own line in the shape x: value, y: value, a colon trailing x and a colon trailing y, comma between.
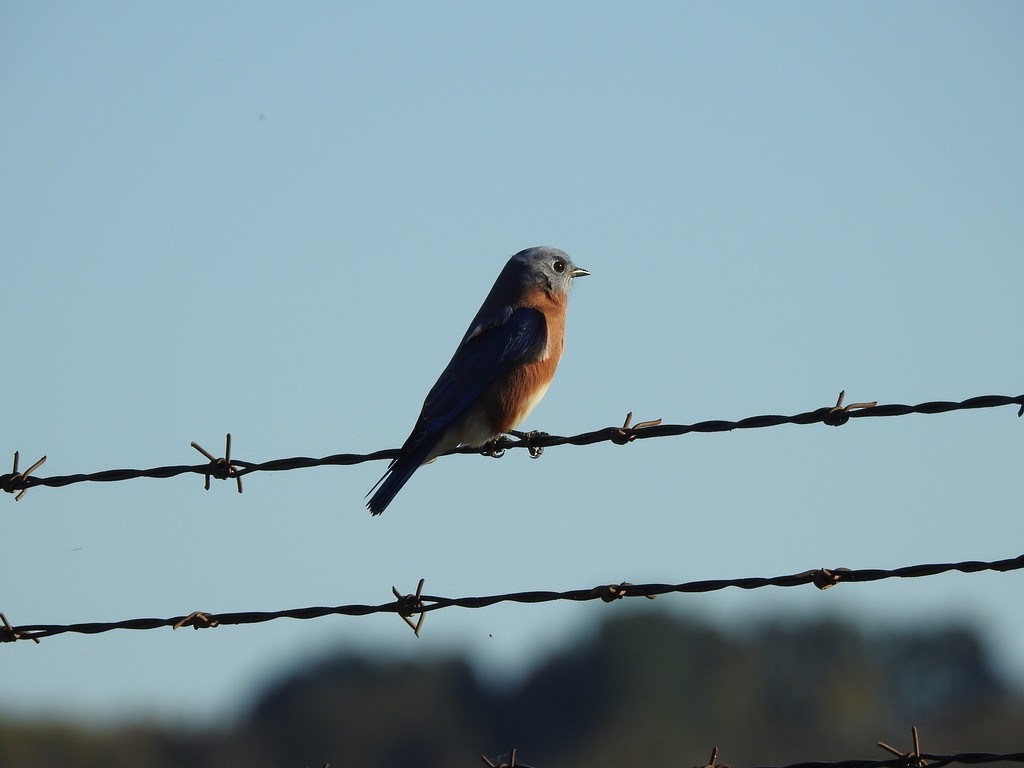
x: 627, y: 434
x: 499, y: 761
x: 410, y: 605
x: 824, y: 578
x: 910, y: 759
x: 713, y: 761
x: 612, y: 592
x: 9, y: 634
x: 14, y: 482
x: 221, y: 469
x: 197, y: 620
x: 840, y: 414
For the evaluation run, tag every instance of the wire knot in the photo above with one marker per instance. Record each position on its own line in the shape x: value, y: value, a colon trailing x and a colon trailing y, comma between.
x: 411, y: 605
x: 501, y: 761
x: 9, y: 635
x: 712, y: 761
x: 824, y: 578
x: 840, y: 414
x: 197, y: 620
x: 14, y: 481
x: 223, y: 468
x: 627, y: 434
x: 612, y: 592
x: 912, y: 759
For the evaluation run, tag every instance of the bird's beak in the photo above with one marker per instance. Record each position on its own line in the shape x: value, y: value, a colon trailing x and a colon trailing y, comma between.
x: 579, y: 272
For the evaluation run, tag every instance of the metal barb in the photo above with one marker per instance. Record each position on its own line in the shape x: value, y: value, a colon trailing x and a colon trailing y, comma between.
x: 8, y: 635
x: 626, y: 433
x: 713, y: 760
x: 197, y: 620
x: 501, y: 763
x: 410, y: 605
x: 11, y: 482
x: 825, y: 578
x: 839, y: 414
x: 611, y: 592
x: 221, y: 469
x: 646, y: 424
x: 910, y: 759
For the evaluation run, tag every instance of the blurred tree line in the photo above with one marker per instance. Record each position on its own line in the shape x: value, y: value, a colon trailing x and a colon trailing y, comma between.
x: 646, y: 690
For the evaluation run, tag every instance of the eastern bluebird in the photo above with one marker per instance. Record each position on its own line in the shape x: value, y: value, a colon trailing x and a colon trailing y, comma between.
x: 500, y: 370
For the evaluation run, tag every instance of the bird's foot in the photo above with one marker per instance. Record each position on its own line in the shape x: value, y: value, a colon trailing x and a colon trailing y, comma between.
x: 526, y: 437
x: 494, y: 448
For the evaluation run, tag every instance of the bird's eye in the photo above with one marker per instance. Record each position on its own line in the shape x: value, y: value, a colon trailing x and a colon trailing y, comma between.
x: 558, y: 265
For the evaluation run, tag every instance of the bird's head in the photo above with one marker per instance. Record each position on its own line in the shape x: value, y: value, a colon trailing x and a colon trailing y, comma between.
x: 547, y: 268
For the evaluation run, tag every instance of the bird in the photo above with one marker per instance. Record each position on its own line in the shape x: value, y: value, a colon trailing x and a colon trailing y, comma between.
x: 500, y: 370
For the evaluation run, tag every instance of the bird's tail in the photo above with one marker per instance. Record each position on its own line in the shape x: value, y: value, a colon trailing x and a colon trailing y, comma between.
x: 396, y: 476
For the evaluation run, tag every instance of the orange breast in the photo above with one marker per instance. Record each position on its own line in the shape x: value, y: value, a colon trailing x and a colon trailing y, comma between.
x: 512, y: 400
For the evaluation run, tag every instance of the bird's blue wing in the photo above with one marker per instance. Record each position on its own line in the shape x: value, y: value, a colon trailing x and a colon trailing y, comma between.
x: 493, y: 345
x: 489, y: 350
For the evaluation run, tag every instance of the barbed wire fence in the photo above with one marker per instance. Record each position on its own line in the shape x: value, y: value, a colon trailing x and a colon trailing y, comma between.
x: 18, y: 482
x: 417, y: 604
x: 915, y: 758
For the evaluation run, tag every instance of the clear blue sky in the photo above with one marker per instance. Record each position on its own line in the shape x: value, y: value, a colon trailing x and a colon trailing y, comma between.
x: 277, y: 221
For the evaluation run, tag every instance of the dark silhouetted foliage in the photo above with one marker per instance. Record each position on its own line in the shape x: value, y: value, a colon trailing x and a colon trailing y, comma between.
x: 647, y: 689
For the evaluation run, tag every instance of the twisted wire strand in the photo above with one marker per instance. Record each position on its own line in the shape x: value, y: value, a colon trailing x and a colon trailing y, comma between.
x: 421, y: 604
x: 934, y: 761
x: 914, y: 759
x: 224, y: 468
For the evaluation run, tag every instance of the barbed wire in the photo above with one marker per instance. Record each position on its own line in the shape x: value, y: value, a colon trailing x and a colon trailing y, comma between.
x: 418, y: 604
x: 932, y: 761
x: 223, y: 468
x: 913, y: 759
